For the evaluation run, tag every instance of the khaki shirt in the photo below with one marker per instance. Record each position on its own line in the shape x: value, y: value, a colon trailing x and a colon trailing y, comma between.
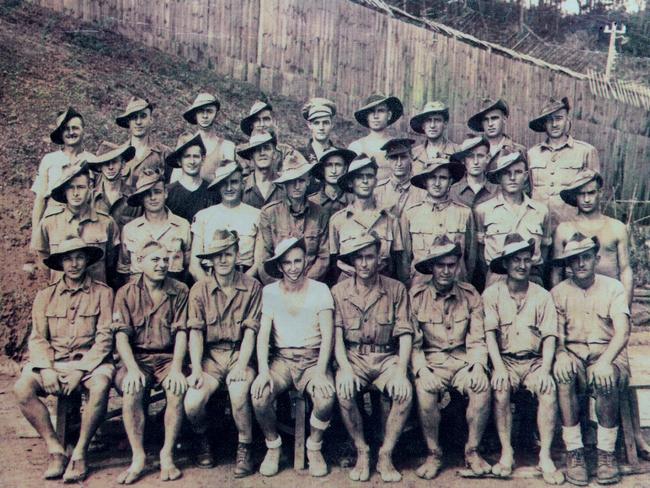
x: 551, y: 170
x: 506, y: 146
x: 377, y: 317
x: 329, y: 203
x: 495, y: 220
x: 154, y: 159
x: 522, y: 328
x: 71, y: 325
x: 253, y: 197
x: 95, y: 228
x: 396, y: 196
x: 221, y: 317
x: 150, y: 327
x: 121, y: 211
x: 174, y: 235
x: 421, y: 157
x: 279, y: 222
x: 451, y: 323
x: 461, y: 192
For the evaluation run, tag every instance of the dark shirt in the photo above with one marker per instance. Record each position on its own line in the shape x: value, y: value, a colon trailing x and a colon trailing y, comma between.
x: 186, y: 203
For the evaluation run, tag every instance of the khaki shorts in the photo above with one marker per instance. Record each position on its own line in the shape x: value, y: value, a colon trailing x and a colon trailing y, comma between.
x: 218, y: 363
x: 294, y: 367
x: 155, y: 366
x: 376, y: 367
x: 584, y: 358
x: 453, y: 372
x: 106, y: 370
x: 523, y: 372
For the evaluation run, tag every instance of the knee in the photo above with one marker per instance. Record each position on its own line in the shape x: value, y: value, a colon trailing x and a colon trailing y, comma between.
x: 347, y: 404
x: 502, y: 396
x: 99, y: 386
x: 239, y: 393
x: 264, y: 400
x: 194, y: 401
x: 481, y: 400
x: 565, y: 390
x: 24, y: 390
x: 321, y: 402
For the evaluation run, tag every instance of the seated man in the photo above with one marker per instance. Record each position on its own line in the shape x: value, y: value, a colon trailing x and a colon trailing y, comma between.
x: 594, y: 326
x: 69, y: 345
x: 223, y: 318
x: 521, y: 334
x: 149, y: 322
x: 373, y: 347
x: 449, y: 352
x: 298, y: 311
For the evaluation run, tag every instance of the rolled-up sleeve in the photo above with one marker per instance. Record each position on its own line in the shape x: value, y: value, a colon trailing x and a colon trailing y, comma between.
x: 179, y: 311
x: 547, y: 321
x: 253, y: 312
x: 121, y: 320
x: 490, y: 309
x: 196, y: 308
x: 403, y: 323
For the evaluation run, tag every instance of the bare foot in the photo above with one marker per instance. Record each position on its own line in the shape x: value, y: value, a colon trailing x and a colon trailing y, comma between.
x: 361, y: 470
x: 271, y: 463
x: 317, y: 464
x: 134, y: 472
x: 476, y: 463
x: 430, y: 467
x: 168, y: 470
x: 550, y: 473
x: 503, y: 468
x: 386, y: 468
x: 76, y: 471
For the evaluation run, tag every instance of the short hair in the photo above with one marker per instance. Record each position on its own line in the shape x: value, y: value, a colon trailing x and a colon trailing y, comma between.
x: 149, y: 247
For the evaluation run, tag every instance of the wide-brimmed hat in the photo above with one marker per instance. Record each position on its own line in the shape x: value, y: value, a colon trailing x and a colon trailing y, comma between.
x: 256, y: 140
x: 294, y: 165
x: 440, y: 248
x: 272, y: 265
x: 394, y: 105
x: 570, y: 193
x: 58, y: 192
x: 513, y: 244
x: 351, y: 246
x: 222, y: 239
x: 431, y: 108
x: 184, y: 141
x: 56, y: 136
x: 201, y: 100
x: 361, y: 161
x: 538, y: 124
x: 317, y: 168
x: 394, y: 147
x: 135, y: 105
x: 467, y: 146
x: 497, y: 165
x: 107, y: 152
x: 475, y: 122
x: 456, y: 170
x: 146, y: 181
x: 246, y: 123
x: 318, y: 107
x: 70, y: 244
x: 577, y: 244
x: 223, y: 172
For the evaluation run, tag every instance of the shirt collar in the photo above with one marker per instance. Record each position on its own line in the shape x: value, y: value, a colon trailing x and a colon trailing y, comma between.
x: 88, y: 213
x: 397, y: 185
x: 62, y: 287
x: 463, y: 186
x: 238, y: 283
x: 437, y: 205
x: 569, y: 143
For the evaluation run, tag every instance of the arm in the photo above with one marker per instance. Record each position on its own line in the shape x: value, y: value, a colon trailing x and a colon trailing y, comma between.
x: 557, y: 272
x: 254, y: 270
x: 263, y: 376
x: 319, y: 266
x: 41, y: 352
x: 603, y: 375
x: 624, y: 267
x: 37, y: 214
x: 196, y: 270
x: 187, y: 248
x: 264, y: 246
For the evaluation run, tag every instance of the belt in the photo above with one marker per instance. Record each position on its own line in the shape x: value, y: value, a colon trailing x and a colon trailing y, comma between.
x: 370, y: 348
x: 225, y: 345
x: 521, y: 356
x: 139, y: 350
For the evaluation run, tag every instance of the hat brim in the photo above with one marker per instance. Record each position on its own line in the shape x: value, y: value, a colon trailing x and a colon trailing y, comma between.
x: 246, y: 124
x: 123, y: 119
x: 127, y: 154
x: 135, y: 198
x: 394, y: 105
x: 190, y: 114
x: 493, y: 176
x: 216, y: 250
x: 497, y: 264
x: 54, y: 260
x: 456, y: 169
x: 417, y: 121
x: 293, y: 174
x: 475, y: 122
x: 563, y: 258
x: 56, y: 136
x: 272, y: 265
x: 174, y: 158
x: 345, y: 181
x: 58, y: 192
x: 214, y: 185
x: 247, y: 151
x: 425, y: 265
x: 538, y: 124
x: 570, y: 195
x: 348, y: 257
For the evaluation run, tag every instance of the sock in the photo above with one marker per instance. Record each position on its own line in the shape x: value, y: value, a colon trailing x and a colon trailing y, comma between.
x: 313, y: 445
x: 606, y: 438
x: 244, y: 439
x: 275, y: 443
x: 572, y: 437
x: 318, y: 423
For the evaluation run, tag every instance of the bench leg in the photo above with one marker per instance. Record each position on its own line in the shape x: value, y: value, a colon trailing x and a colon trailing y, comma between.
x: 627, y: 427
x: 300, y: 432
x: 62, y: 411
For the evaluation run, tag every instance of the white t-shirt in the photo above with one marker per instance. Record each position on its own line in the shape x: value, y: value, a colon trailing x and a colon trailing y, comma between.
x: 51, y: 168
x: 295, y: 315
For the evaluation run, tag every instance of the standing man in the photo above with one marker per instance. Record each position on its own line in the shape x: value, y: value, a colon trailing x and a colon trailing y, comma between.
x: 396, y: 192
x: 432, y: 122
x: 333, y: 164
x: 259, y: 188
x: 223, y: 319
x: 491, y: 120
x: 69, y: 346
x: 150, y: 326
x: 295, y: 216
x: 297, y: 314
x: 521, y: 335
x: 555, y: 162
x: 138, y: 119
x: 449, y: 352
x: 319, y: 114
x: 473, y: 188
x: 377, y: 114
x: 594, y: 324
x: 372, y: 348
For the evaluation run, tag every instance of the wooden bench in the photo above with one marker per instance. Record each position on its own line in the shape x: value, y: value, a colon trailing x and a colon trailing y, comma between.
x: 299, y: 409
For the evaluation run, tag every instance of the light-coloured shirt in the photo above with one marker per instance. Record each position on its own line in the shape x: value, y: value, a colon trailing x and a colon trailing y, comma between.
x: 396, y: 196
x: 422, y: 154
x: 372, y: 146
x: 51, y: 168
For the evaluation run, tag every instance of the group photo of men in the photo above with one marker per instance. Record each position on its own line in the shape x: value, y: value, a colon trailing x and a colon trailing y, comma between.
x: 409, y: 267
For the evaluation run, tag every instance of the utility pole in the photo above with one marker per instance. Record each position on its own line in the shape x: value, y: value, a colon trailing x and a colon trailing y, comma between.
x: 613, y: 31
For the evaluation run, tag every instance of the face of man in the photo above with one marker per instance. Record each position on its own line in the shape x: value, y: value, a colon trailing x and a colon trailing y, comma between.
x: 320, y: 128
x: 557, y: 124
x: 588, y: 197
x: 439, y: 183
x: 366, y: 262
x: 584, y: 265
x: 333, y: 169
x: 74, y: 265
x: 444, y: 272
x: 73, y: 132
x: 364, y: 182
x: 155, y: 264
x: 224, y: 262
x: 401, y: 165
x: 231, y: 188
x: 263, y: 121
x: 263, y: 155
x: 140, y: 123
x: 297, y: 188
x: 513, y: 178
x: 434, y: 126
x: 205, y: 116
x: 112, y: 169
x: 191, y: 161
x: 379, y: 116
x: 518, y: 265
x: 494, y: 123
x: 77, y: 191
x: 154, y: 198
x: 477, y: 160
x: 292, y: 264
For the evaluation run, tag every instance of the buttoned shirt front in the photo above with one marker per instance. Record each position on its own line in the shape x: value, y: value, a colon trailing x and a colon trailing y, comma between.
x: 396, y: 196
x: 461, y: 192
x: 152, y: 159
x: 422, y: 154
x: 71, y: 324
x: 506, y: 146
x: 223, y: 317
x: 253, y: 197
x: 150, y: 327
x: 521, y: 327
x: 495, y: 219
x: 329, y: 202
x: 376, y: 317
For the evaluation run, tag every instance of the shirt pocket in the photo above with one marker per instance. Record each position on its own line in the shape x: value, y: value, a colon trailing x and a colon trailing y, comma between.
x: 566, y: 171
x: 86, y: 321
x: 385, y: 326
x: 57, y: 322
x: 422, y: 240
x: 460, y: 318
x: 433, y: 329
x: 352, y: 326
